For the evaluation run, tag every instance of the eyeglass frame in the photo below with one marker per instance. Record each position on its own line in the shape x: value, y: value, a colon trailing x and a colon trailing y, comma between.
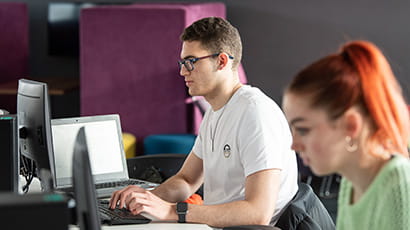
x: 193, y: 60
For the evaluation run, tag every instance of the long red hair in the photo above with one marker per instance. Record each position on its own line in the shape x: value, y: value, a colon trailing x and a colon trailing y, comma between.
x: 359, y: 75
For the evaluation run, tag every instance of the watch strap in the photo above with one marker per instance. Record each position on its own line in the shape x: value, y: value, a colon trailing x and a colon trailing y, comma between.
x: 182, y: 210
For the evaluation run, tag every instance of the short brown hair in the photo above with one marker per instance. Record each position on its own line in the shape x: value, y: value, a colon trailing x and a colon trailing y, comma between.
x: 217, y: 35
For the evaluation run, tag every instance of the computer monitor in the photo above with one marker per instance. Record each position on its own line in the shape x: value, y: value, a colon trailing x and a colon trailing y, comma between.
x: 83, y: 182
x: 35, y: 139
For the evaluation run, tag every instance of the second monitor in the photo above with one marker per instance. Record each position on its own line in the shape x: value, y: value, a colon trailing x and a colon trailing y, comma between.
x: 35, y: 139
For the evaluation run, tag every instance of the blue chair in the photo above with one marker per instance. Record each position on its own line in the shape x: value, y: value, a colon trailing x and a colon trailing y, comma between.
x: 168, y: 143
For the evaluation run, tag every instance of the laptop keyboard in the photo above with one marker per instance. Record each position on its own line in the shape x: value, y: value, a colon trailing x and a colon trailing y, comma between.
x: 119, y: 184
x: 115, y: 185
x: 104, y: 190
x: 118, y: 216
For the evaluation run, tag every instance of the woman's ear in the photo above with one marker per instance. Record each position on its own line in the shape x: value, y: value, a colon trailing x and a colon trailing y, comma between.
x: 353, y: 122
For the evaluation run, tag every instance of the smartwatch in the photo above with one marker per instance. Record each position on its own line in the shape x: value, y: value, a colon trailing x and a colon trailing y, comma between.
x: 182, y: 210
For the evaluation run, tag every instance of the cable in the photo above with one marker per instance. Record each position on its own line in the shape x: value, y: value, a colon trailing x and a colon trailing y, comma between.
x: 28, y: 171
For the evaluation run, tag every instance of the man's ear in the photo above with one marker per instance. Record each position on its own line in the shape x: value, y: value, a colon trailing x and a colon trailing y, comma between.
x: 222, y: 60
x: 353, y: 122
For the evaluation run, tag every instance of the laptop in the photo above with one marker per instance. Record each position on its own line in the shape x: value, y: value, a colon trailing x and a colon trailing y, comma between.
x: 105, y: 147
x: 90, y: 211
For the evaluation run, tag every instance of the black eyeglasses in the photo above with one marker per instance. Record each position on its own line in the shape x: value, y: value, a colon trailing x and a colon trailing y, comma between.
x: 189, y: 62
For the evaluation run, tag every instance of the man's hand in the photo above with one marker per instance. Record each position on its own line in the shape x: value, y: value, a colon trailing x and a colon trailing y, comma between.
x: 139, y: 200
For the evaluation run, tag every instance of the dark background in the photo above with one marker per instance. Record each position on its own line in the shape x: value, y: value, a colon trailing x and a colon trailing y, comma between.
x: 279, y: 38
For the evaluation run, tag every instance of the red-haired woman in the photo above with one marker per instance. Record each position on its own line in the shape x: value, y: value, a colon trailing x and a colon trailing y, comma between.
x: 348, y: 116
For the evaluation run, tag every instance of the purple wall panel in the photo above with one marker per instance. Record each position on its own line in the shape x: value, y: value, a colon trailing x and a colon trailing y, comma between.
x: 129, y: 64
x: 14, y: 47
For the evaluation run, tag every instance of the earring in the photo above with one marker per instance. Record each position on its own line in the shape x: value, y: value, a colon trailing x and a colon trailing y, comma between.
x: 350, y: 146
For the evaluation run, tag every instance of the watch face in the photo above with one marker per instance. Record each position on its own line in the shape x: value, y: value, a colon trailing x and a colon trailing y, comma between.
x: 182, y: 207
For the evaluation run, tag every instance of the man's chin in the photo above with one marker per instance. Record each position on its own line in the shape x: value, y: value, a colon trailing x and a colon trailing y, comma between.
x: 192, y: 93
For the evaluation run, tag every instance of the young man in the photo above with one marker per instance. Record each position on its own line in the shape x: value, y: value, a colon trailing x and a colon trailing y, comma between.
x: 242, y: 153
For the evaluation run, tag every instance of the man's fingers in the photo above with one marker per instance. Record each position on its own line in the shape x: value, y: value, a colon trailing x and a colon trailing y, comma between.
x: 120, y: 196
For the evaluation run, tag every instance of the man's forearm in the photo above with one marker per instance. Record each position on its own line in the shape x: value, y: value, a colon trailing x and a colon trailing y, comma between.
x: 174, y: 189
x: 261, y: 192
x: 182, y: 185
x: 229, y: 214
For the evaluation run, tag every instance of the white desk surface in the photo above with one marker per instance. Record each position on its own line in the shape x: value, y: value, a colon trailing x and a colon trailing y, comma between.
x: 154, y: 226
x: 35, y: 187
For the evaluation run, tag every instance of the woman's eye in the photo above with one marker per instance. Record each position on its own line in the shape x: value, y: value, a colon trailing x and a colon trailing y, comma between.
x: 302, y: 131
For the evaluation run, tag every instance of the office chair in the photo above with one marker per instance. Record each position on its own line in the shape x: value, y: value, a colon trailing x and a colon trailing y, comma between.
x: 155, y: 168
x: 168, y: 143
x: 304, y: 212
x: 327, y: 188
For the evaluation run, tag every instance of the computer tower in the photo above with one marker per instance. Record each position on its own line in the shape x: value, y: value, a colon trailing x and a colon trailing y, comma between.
x: 46, y: 211
x: 9, y: 156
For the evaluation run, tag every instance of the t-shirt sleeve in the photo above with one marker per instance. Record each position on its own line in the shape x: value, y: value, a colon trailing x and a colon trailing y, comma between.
x: 197, y: 146
x: 264, y: 138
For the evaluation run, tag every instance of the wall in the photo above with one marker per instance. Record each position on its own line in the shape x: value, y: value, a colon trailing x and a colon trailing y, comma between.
x: 279, y: 37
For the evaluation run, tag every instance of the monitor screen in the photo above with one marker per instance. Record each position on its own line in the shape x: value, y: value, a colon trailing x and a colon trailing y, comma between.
x: 104, y: 146
x: 35, y: 139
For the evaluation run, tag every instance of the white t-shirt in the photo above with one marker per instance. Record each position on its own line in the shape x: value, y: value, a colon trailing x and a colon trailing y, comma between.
x: 251, y: 135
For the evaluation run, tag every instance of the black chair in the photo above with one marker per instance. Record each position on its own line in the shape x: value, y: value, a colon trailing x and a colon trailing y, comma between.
x: 329, y: 188
x: 326, y: 187
x: 304, y: 212
x: 156, y: 167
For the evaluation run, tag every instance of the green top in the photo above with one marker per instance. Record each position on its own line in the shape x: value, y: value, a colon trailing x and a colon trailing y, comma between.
x: 385, y: 204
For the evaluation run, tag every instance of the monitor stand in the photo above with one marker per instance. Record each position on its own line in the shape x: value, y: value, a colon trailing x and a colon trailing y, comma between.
x: 46, y: 180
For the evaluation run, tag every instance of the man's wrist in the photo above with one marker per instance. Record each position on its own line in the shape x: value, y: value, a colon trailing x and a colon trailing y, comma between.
x: 182, y: 210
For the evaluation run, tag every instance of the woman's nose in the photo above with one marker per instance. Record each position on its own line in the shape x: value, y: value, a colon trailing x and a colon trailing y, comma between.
x: 296, y: 145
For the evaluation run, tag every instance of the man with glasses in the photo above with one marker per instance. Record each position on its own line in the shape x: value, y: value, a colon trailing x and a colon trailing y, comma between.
x: 242, y: 154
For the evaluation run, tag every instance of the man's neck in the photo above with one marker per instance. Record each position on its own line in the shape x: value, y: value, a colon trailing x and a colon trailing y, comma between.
x: 224, y: 95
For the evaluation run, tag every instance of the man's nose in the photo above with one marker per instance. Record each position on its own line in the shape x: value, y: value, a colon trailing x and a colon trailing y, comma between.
x: 183, y: 70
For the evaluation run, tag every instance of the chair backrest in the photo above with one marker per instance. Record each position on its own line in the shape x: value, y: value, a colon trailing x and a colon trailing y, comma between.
x: 305, y: 212
x: 155, y: 168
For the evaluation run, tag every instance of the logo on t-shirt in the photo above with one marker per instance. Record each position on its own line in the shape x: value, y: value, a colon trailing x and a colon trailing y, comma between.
x: 227, y: 151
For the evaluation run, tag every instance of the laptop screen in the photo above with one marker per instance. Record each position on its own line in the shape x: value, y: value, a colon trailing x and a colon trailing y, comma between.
x: 104, y: 144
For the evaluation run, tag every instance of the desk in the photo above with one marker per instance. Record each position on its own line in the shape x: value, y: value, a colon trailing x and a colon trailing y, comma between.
x: 56, y: 85
x: 154, y: 226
